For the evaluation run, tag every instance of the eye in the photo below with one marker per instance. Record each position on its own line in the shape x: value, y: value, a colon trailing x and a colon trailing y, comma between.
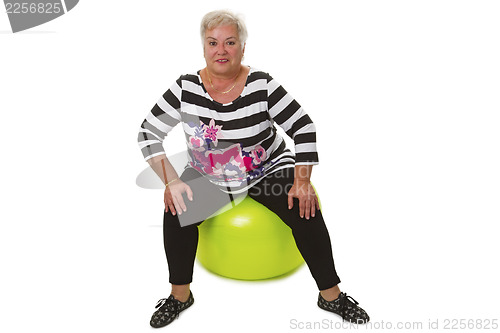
x: 231, y: 43
x: 212, y: 43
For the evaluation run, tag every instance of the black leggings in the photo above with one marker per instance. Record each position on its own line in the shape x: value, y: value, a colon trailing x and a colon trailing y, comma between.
x: 311, y: 236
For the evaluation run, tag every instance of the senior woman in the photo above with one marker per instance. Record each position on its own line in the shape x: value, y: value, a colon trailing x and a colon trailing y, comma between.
x: 228, y: 111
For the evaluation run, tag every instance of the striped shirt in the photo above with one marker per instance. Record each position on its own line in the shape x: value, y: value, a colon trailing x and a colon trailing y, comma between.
x: 234, y: 144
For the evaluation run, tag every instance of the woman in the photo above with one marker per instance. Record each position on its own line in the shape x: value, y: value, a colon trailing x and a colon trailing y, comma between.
x: 228, y: 112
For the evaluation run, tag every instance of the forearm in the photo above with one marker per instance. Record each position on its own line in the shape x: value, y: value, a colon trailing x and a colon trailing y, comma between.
x: 162, y: 167
x: 303, y: 173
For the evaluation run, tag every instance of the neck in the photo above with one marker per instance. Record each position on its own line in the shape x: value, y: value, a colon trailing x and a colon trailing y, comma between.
x: 224, y: 77
x: 227, y: 80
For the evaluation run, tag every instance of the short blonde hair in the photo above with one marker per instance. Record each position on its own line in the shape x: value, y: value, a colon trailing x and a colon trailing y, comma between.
x: 219, y: 18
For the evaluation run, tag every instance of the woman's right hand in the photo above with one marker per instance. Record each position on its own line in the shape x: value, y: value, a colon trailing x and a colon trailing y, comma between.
x: 173, y: 196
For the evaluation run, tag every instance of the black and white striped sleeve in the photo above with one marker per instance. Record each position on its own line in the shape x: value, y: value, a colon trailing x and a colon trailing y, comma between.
x: 160, y: 121
x: 288, y: 114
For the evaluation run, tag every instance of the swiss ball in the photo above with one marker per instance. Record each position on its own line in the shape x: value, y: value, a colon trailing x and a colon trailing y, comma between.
x: 247, y: 242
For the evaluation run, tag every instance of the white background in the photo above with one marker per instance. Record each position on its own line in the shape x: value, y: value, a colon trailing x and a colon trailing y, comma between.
x: 405, y: 97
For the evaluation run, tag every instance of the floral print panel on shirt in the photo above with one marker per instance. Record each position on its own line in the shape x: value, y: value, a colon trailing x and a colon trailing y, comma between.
x: 233, y: 163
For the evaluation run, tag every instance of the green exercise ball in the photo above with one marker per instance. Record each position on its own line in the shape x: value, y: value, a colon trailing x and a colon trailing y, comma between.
x: 247, y: 242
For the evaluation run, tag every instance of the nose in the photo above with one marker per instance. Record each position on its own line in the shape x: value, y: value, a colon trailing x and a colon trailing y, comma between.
x: 221, y: 48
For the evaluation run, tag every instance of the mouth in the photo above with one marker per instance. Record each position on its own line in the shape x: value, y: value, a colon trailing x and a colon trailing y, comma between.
x: 221, y: 61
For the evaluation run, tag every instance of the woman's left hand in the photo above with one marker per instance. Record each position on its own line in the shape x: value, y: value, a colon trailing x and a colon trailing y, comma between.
x: 308, y: 201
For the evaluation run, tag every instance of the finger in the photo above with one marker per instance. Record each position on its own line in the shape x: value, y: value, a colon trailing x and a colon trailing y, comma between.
x: 165, y: 201
x: 189, y: 193
x: 178, y: 208
x: 290, y: 201
x: 301, y: 208
x: 313, y: 208
x: 180, y: 201
x: 171, y: 206
x: 308, y: 208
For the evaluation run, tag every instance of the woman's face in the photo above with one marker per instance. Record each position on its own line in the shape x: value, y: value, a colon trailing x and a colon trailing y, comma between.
x: 223, y: 51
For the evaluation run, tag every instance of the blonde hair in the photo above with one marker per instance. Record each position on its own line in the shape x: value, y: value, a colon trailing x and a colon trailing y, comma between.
x: 219, y: 18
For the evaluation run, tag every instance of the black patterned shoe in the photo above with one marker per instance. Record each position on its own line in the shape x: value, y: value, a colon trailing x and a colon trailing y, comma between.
x: 346, y: 307
x: 168, y: 310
